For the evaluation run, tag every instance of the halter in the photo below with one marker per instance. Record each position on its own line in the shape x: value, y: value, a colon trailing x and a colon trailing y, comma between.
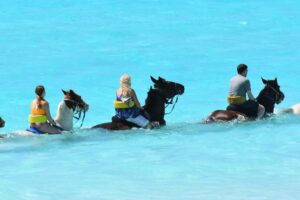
x: 77, y: 111
x: 277, y: 94
x: 170, y: 101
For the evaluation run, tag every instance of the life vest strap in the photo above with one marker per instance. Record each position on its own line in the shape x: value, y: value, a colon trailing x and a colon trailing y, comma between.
x: 235, y: 100
x: 37, y: 118
x: 122, y: 105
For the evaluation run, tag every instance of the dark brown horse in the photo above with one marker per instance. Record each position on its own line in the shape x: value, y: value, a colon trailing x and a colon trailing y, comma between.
x: 268, y: 97
x: 163, y: 94
x: 2, y: 123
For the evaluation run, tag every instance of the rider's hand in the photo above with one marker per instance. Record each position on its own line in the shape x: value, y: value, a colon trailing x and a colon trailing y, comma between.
x: 52, y: 122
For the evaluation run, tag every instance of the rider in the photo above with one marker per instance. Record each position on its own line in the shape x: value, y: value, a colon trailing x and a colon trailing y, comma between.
x: 127, y: 105
x: 239, y: 87
x: 40, y: 117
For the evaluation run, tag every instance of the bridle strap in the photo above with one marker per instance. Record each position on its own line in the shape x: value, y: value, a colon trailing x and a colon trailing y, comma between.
x: 276, y: 92
x: 170, y: 102
x: 78, y: 111
x: 79, y: 116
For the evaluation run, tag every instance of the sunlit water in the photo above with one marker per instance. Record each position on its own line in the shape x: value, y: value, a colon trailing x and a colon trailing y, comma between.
x: 87, y: 45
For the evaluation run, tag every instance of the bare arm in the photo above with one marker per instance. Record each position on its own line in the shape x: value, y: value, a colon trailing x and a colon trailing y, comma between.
x: 248, y: 89
x: 250, y: 95
x: 46, y: 107
x: 135, y: 99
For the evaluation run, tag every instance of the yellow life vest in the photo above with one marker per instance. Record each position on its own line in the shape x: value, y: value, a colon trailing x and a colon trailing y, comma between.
x: 122, y: 105
x: 37, y: 118
x: 235, y: 100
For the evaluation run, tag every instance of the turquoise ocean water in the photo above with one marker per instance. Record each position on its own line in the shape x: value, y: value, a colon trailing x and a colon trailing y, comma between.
x: 87, y: 45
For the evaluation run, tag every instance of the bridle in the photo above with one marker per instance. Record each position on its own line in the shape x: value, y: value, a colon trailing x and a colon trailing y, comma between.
x: 169, y: 101
x: 78, y: 110
x: 277, y: 94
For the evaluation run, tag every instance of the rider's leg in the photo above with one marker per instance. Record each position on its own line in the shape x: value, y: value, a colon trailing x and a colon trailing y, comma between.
x: 139, y: 120
x: 47, y: 128
x: 143, y: 122
x: 261, y: 111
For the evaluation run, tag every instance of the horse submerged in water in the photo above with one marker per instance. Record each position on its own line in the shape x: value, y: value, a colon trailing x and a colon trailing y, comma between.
x: 72, y: 106
x: 157, y: 100
x: 268, y: 97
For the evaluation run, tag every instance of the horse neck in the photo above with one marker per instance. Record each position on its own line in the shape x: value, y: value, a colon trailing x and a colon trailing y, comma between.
x: 155, y: 106
x: 265, y: 100
x: 64, y: 116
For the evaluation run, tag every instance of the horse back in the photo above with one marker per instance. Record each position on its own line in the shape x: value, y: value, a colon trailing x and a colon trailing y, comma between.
x: 113, y: 126
x: 225, y: 115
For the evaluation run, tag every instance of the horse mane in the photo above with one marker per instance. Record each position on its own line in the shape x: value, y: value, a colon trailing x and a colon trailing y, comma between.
x: 70, y: 104
x: 155, y: 105
x: 266, y: 100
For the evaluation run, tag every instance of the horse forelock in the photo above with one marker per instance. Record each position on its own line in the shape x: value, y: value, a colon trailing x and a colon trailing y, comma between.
x: 74, y: 101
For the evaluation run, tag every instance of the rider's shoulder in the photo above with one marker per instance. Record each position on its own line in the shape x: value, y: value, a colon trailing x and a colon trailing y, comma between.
x: 45, y: 103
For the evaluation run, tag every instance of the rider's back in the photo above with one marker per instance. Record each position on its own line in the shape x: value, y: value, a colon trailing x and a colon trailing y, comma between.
x: 238, y: 86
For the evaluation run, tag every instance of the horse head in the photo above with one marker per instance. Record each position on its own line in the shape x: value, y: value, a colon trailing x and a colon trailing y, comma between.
x: 74, y: 101
x: 270, y: 95
x: 168, y: 88
x: 163, y: 93
x: 2, y: 123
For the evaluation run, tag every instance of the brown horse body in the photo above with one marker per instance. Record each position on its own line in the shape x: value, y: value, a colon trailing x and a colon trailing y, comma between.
x: 114, y: 126
x: 225, y: 115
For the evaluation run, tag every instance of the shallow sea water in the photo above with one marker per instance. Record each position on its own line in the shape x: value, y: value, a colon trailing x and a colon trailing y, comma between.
x: 87, y: 45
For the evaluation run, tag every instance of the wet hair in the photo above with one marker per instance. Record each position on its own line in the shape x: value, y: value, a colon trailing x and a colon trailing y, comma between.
x: 241, y: 68
x: 39, y: 90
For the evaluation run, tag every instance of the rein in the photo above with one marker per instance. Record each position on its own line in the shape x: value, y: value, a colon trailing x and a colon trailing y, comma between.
x: 276, y: 96
x: 79, y: 116
x: 170, y: 101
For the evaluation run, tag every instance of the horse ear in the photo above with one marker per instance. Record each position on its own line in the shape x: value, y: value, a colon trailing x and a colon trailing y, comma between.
x: 64, y: 91
x: 264, y: 81
x: 276, y: 80
x: 71, y: 91
x: 153, y: 79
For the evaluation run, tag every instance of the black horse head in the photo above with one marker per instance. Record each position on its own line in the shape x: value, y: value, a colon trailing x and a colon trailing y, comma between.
x: 170, y: 89
x: 163, y: 93
x: 270, y: 95
x: 2, y: 123
x: 74, y: 101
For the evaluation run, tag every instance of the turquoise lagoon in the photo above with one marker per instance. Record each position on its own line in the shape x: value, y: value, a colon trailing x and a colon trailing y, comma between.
x: 87, y: 45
